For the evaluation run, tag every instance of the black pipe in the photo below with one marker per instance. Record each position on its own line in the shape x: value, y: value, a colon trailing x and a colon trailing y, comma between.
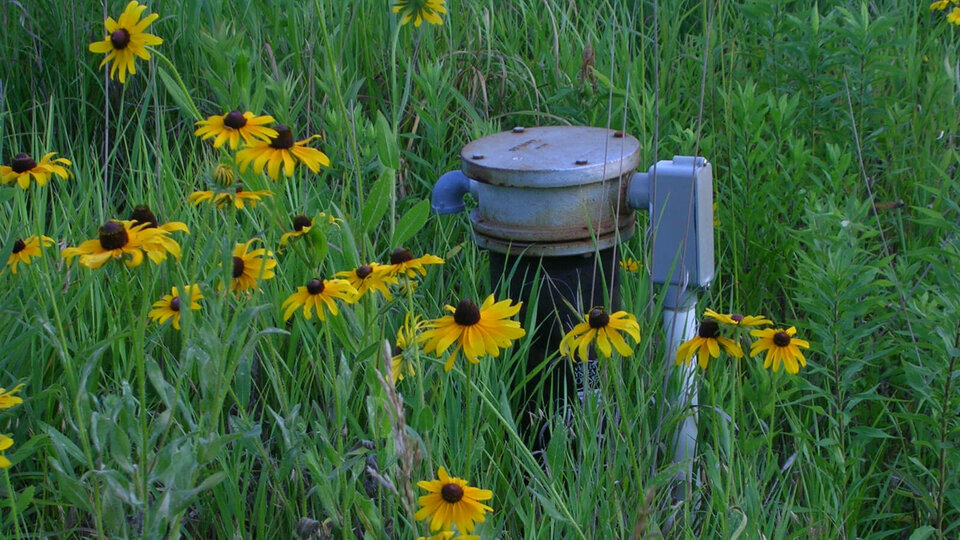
x: 569, y: 286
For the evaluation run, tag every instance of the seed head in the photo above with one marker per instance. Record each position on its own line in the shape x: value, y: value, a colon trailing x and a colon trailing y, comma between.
x: 234, y: 119
x: 598, y: 318
x: 113, y: 235
x: 22, y: 163
x: 467, y: 313
x: 284, y: 138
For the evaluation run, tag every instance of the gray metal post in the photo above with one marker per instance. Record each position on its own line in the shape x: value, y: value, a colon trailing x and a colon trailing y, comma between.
x: 679, y: 196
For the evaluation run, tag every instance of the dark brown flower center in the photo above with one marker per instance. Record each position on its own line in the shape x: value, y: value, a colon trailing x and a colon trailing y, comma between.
x: 400, y: 255
x: 142, y: 214
x: 709, y: 329
x: 175, y: 303
x: 452, y: 493
x: 598, y: 318
x: 19, y: 246
x: 300, y: 222
x: 467, y: 313
x: 781, y: 339
x: 234, y: 119
x: 284, y: 138
x: 397, y: 351
x: 315, y: 286
x: 736, y: 317
x: 113, y: 235
x: 364, y: 271
x: 237, y: 267
x: 22, y: 163
x: 120, y: 38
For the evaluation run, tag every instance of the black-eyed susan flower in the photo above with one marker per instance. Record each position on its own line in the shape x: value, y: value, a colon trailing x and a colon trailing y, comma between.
x: 9, y: 398
x: 114, y: 240
x: 23, y: 167
x: 240, y: 198
x: 630, y: 265
x: 301, y: 226
x: 281, y: 151
x: 448, y: 535
x: 419, y: 11
x: 158, y: 245
x: 250, y: 266
x: 604, y: 329
x: 143, y: 215
x: 170, y: 305
x: 5, y: 443
x: 707, y: 344
x: 233, y: 126
x: 317, y: 294
x: 954, y: 16
x: 370, y: 277
x: 476, y: 330
x: 126, y: 38
x: 737, y: 319
x: 451, y: 501
x: 402, y: 262
x: 941, y: 5
x: 781, y: 346
x: 401, y: 364
x: 25, y: 250
x: 442, y: 535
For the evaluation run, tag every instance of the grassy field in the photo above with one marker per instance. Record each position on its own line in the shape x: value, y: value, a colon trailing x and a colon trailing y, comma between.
x: 833, y: 129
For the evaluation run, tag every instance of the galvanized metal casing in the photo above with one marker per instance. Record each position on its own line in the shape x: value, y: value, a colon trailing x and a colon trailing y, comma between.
x: 552, y: 191
x: 681, y: 221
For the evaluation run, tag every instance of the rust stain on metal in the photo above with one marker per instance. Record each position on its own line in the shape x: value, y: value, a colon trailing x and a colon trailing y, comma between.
x: 525, y: 144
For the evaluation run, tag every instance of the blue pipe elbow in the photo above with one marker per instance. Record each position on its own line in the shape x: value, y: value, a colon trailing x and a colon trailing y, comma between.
x: 447, y: 196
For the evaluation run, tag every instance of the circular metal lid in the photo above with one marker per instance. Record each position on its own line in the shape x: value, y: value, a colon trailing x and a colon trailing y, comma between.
x: 554, y: 156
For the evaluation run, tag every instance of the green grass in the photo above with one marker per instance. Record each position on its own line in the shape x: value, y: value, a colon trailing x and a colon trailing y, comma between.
x: 816, y: 118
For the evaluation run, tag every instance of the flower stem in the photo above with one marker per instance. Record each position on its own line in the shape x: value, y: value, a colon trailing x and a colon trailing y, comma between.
x: 338, y: 422
x: 408, y: 292
x: 469, y: 425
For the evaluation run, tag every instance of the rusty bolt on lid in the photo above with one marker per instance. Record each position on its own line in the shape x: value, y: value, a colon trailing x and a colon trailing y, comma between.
x: 518, y: 129
x: 477, y: 156
x: 581, y: 162
x: 618, y: 134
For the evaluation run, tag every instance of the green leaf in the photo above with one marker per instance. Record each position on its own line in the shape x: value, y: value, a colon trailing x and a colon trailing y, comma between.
x: 870, y: 433
x: 176, y: 91
x: 922, y: 533
x: 411, y: 222
x: 319, y: 243
x: 549, y: 507
x: 387, y: 148
x: 378, y: 200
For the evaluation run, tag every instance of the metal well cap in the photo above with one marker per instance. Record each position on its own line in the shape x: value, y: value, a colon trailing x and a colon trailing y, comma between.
x: 554, y: 156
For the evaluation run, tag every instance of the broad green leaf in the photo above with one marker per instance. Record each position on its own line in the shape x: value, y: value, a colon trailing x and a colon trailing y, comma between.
x: 377, y: 201
x: 923, y: 533
x: 411, y: 222
x: 387, y: 148
x: 176, y: 91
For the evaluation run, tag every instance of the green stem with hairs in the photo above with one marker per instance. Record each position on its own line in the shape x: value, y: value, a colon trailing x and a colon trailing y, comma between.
x: 408, y: 292
x: 338, y: 422
x: 13, y: 504
x: 73, y: 385
x: 469, y: 424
